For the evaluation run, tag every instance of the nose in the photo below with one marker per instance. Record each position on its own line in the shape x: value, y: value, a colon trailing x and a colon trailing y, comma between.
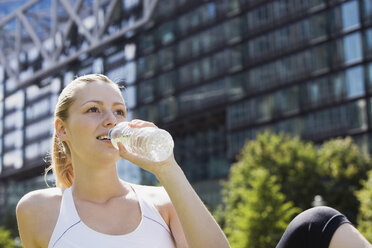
x: 110, y: 120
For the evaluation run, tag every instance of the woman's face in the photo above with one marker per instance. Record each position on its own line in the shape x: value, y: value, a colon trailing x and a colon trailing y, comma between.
x: 97, y: 108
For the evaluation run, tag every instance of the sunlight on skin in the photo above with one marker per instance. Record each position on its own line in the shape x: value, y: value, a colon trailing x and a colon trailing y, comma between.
x: 346, y: 236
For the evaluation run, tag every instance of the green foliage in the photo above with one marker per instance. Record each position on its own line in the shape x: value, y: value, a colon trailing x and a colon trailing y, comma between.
x: 292, y: 161
x: 365, y: 212
x: 343, y: 167
x: 276, y: 175
x: 6, y: 240
x: 9, y: 221
x: 262, y: 216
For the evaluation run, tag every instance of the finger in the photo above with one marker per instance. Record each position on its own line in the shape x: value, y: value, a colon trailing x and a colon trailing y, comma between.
x: 136, y: 123
x: 131, y: 157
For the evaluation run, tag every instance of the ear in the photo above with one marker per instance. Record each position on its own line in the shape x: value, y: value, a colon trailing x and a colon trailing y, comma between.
x: 60, y: 129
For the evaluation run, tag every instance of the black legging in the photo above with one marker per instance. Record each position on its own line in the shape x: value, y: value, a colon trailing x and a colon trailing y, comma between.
x: 312, y: 228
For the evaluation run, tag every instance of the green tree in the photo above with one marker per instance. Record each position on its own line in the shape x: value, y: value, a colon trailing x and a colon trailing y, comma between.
x: 6, y: 240
x: 365, y: 211
x: 291, y: 160
x: 343, y: 166
x: 262, y: 216
x: 301, y: 169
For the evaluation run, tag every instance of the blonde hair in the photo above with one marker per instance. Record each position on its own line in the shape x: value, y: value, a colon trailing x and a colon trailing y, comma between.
x: 61, y: 163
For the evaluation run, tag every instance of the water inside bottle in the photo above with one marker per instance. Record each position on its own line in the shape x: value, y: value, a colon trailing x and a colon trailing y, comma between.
x: 122, y: 139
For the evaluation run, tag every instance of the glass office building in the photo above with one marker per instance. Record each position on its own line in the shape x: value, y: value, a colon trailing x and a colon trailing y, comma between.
x: 216, y: 73
x: 213, y: 73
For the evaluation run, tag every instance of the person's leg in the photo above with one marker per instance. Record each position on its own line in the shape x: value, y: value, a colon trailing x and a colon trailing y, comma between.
x: 312, y: 228
x: 347, y: 236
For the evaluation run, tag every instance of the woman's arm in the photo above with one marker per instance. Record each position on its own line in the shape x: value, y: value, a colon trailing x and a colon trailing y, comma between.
x: 347, y: 236
x: 199, y: 226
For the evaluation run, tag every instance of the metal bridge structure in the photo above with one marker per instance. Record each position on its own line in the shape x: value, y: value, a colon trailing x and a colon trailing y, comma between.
x: 63, y: 32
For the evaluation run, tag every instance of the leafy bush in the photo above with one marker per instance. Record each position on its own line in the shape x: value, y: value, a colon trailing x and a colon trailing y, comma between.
x: 365, y: 212
x: 262, y: 216
x: 6, y: 240
x: 277, y: 175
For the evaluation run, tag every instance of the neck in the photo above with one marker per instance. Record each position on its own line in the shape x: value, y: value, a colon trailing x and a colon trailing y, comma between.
x: 97, y: 183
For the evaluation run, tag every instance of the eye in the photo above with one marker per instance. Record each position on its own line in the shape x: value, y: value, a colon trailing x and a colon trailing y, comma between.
x: 93, y: 110
x: 120, y: 112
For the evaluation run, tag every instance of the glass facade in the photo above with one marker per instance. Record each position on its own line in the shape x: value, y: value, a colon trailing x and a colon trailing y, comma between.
x: 243, y: 67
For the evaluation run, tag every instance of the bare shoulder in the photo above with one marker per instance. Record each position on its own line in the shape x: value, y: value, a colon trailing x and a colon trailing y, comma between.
x: 37, y: 200
x: 37, y: 214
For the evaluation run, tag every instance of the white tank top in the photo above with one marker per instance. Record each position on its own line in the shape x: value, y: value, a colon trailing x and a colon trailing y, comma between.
x: 71, y: 232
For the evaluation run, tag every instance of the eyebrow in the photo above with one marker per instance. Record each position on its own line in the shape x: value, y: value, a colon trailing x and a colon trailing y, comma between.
x: 101, y: 103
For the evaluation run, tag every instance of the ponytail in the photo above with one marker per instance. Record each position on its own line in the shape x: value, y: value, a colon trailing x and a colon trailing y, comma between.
x: 61, y: 164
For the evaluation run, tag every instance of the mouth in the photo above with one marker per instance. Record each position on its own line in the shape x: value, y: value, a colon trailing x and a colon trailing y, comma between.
x: 104, y: 138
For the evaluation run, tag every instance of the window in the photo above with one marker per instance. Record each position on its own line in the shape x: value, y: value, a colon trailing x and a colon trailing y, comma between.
x: 167, y: 109
x: 147, y: 112
x: 320, y: 56
x: 218, y: 63
x: 185, y: 76
x: 339, y: 86
x: 350, y: 15
x: 353, y: 48
x: 233, y: 30
x: 146, y: 90
x: 369, y: 78
x: 355, y: 81
x: 150, y: 65
x: 368, y: 42
x: 13, y: 120
x: 13, y: 159
x: 195, y: 46
x: 38, y: 109
x: 237, y: 85
x: 235, y: 58
x: 166, y: 58
x: 206, y: 68
x: 356, y: 113
x: 183, y: 50
x: 195, y: 72
x: 318, y: 25
x: 167, y: 33
x: 282, y: 38
x: 208, y: 12
x: 13, y: 139
x: 165, y: 8
x: 146, y: 43
x: 32, y: 151
x: 260, y: 16
x: 265, y: 105
x: 41, y: 128
x: 183, y: 24
x: 232, y: 6
x: 367, y: 11
x: 140, y: 67
x: 166, y: 83
x: 15, y: 101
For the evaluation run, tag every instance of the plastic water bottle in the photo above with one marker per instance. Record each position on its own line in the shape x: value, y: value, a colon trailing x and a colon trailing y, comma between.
x: 152, y: 143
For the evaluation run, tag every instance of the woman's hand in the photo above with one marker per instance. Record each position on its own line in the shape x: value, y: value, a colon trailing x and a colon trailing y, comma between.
x: 144, y: 163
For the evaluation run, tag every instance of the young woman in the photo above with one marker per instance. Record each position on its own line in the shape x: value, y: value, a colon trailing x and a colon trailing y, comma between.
x: 91, y: 207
